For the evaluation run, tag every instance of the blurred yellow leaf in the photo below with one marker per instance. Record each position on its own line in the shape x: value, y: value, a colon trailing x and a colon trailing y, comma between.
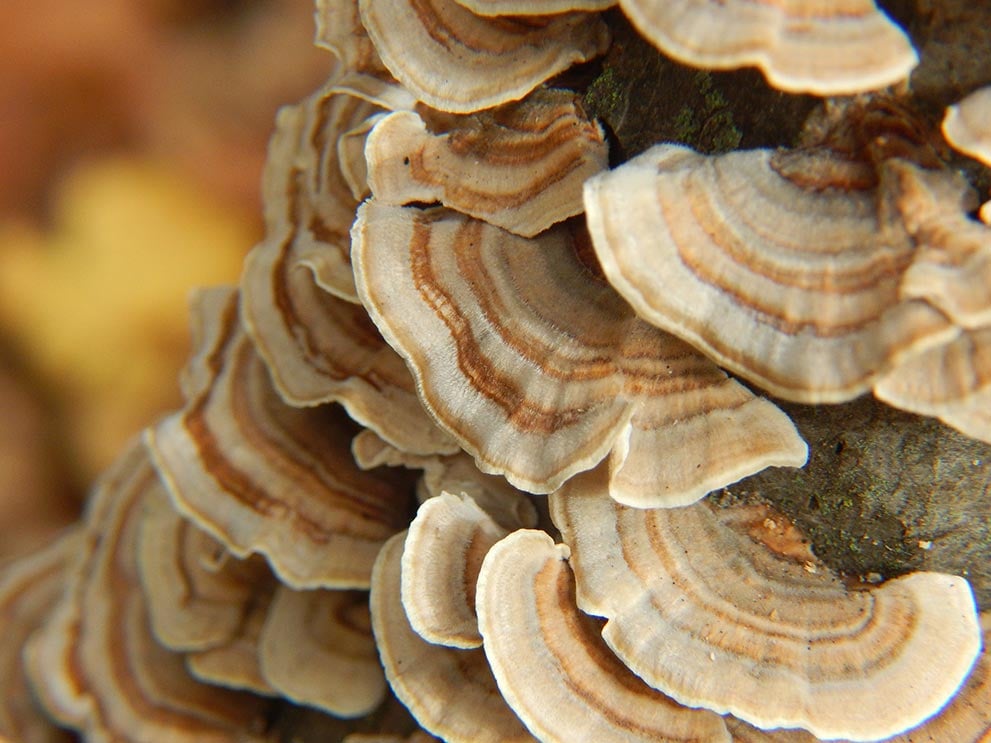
x: 99, y: 303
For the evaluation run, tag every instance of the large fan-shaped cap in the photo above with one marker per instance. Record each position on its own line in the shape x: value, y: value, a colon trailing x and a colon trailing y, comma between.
x: 788, y: 276
x: 454, y: 60
x: 540, y: 370
x: 831, y: 47
x: 551, y: 663
x: 316, y: 648
x: 519, y: 167
x: 96, y: 664
x: 264, y: 477
x: 716, y: 619
x: 450, y: 692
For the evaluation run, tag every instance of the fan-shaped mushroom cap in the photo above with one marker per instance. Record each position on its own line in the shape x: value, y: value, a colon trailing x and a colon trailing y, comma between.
x: 320, y: 348
x: 835, y: 47
x: 951, y: 382
x: 96, y: 664
x: 540, y: 370
x: 443, y: 552
x: 788, y: 277
x: 519, y: 167
x: 197, y: 593
x: 454, y: 60
x: 551, y: 663
x: 759, y: 635
x: 308, y: 204
x: 235, y: 663
x: 317, y: 648
x: 29, y: 587
x: 967, y: 125
x: 450, y: 692
x: 261, y: 476
x: 340, y: 32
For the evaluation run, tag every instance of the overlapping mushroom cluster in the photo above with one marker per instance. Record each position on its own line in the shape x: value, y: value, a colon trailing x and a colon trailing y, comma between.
x: 458, y: 307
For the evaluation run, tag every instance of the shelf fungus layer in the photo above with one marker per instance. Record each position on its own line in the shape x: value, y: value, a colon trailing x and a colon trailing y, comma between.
x: 520, y: 167
x: 456, y: 61
x: 262, y: 476
x: 320, y: 348
x: 834, y: 47
x: 967, y: 717
x: 308, y: 194
x: 197, y: 593
x: 951, y: 382
x: 235, y: 663
x: 308, y: 204
x: 30, y: 587
x: 783, y: 267
x: 552, y: 665
x: 96, y: 664
x: 316, y: 648
x: 967, y: 125
x: 771, y: 640
x: 951, y: 267
x: 450, y: 692
x: 444, y: 549
x: 541, y: 370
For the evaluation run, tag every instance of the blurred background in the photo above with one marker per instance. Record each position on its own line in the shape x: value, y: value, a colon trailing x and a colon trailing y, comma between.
x: 132, y: 138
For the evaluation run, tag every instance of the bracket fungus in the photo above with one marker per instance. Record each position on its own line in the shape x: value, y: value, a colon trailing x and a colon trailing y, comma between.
x: 519, y: 167
x: 96, y: 664
x: 265, y: 477
x: 951, y: 382
x: 316, y: 648
x: 789, y: 279
x: 444, y: 549
x: 966, y: 718
x: 967, y: 125
x: 431, y: 317
x: 835, y: 47
x: 197, y: 593
x: 29, y: 587
x: 234, y: 663
x: 450, y: 692
x: 309, y: 204
x: 540, y: 370
x: 320, y: 348
x: 551, y: 663
x: 760, y: 635
x: 456, y: 61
